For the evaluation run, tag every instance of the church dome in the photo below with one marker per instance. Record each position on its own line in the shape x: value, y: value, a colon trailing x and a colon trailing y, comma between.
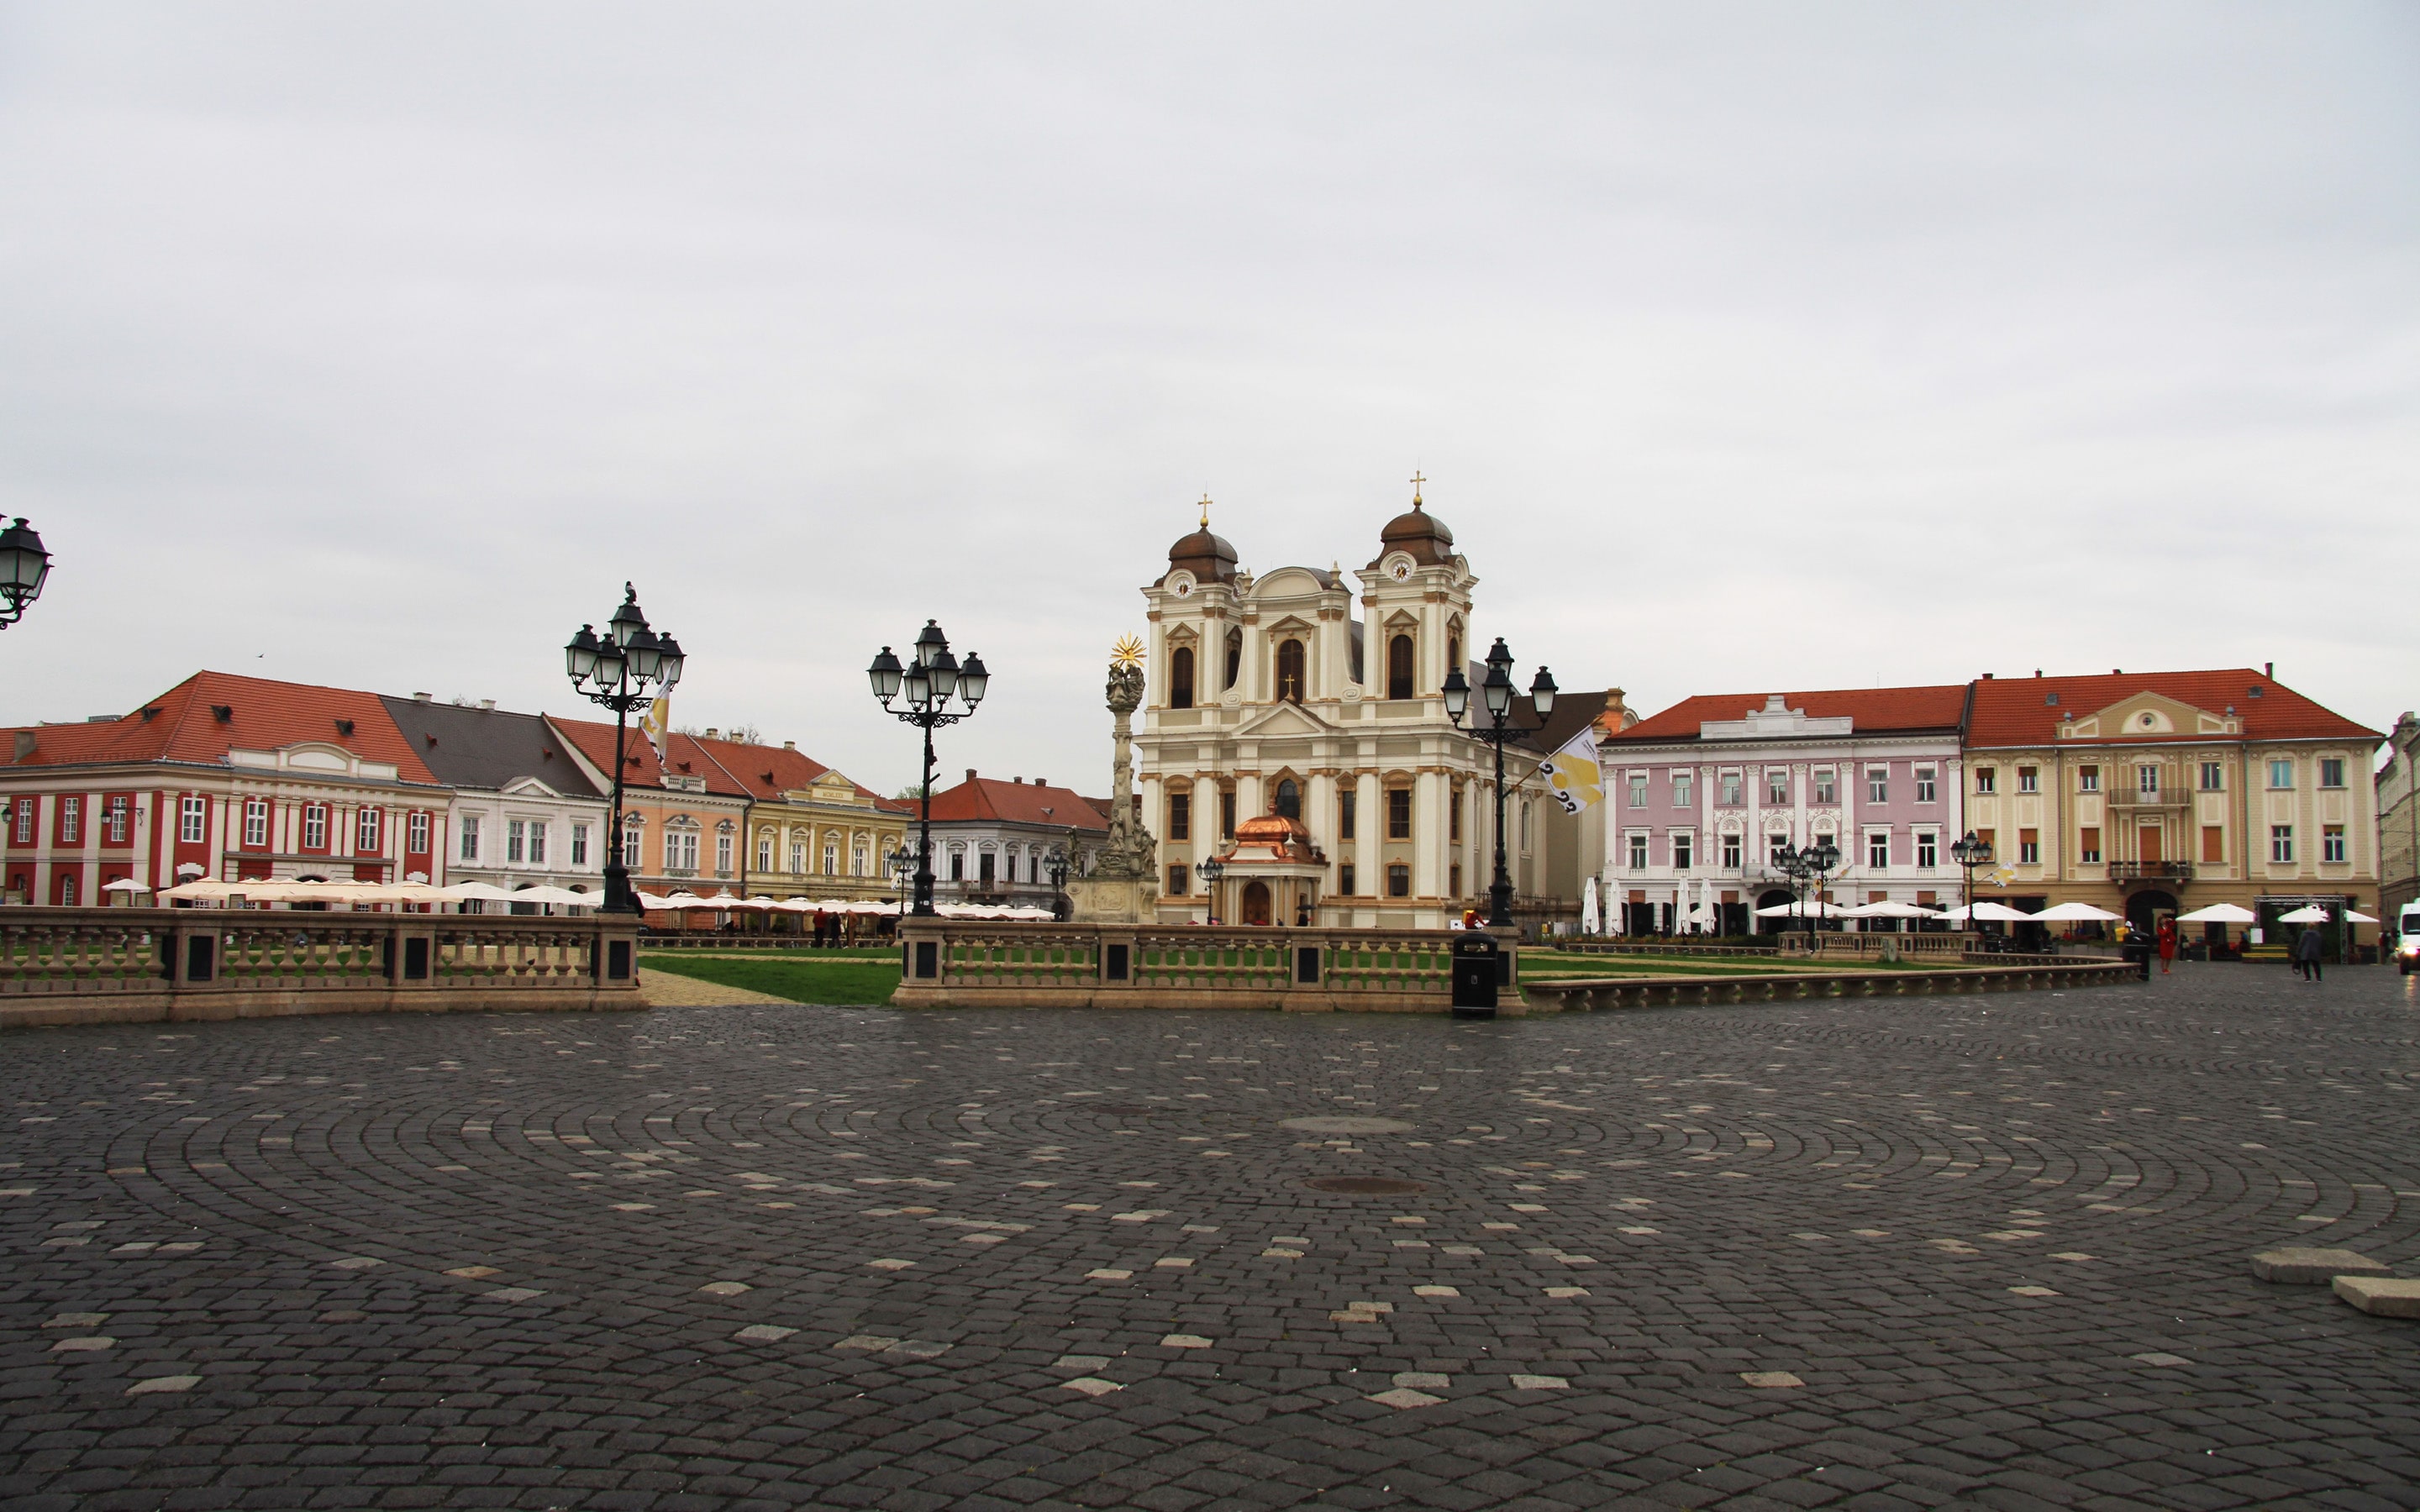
x: 1420, y: 534
x: 1208, y: 556
x: 1274, y: 830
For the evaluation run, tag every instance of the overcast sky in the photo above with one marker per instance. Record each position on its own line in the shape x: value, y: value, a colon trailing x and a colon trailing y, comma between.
x: 1745, y: 347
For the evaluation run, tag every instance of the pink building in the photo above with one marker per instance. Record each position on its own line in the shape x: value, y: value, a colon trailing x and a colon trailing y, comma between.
x: 1699, y: 796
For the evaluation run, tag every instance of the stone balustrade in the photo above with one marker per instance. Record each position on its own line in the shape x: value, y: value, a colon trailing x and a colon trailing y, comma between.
x: 948, y: 963
x: 1675, y: 992
x: 85, y: 965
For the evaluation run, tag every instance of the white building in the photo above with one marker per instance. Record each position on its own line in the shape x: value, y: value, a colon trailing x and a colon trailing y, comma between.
x: 526, y: 811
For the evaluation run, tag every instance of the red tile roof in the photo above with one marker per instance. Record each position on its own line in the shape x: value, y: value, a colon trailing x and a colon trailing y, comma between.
x: 766, y: 772
x: 262, y: 715
x: 1871, y: 709
x: 595, y: 741
x: 2017, y: 710
x: 991, y: 799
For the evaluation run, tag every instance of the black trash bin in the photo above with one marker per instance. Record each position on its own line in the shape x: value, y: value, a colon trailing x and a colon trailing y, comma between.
x: 1477, y: 961
x: 2139, y: 952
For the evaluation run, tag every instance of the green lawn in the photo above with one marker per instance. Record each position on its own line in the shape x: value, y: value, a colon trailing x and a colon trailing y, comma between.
x: 845, y: 978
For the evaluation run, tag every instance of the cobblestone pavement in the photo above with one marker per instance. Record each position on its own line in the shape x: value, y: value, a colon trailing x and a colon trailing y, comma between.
x: 1983, y: 1252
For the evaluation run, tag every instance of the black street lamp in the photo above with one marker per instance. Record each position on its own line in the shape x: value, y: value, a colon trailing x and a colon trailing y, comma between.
x: 931, y: 675
x: 1970, y: 851
x: 1054, y: 861
x: 1211, y: 869
x: 1495, y: 696
x: 626, y: 668
x: 24, y: 566
x: 1807, y: 868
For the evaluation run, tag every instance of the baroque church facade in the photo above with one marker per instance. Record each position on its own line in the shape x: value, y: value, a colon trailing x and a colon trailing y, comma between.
x: 1294, y: 729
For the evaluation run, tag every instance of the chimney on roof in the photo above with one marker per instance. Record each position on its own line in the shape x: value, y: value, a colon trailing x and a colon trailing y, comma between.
x: 1018, y: 780
x: 1041, y: 782
x: 2037, y: 671
x: 26, y: 741
x: 1986, y: 677
x: 711, y: 731
x: 789, y: 745
x: 2269, y: 669
x: 488, y: 704
x: 423, y: 698
x: 971, y: 774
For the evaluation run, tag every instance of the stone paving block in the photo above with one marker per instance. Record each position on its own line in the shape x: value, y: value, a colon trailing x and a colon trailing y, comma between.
x: 2381, y: 1296
x: 2303, y: 1266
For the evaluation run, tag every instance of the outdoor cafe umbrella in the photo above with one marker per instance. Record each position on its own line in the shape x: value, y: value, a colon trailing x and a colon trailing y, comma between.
x: 2075, y: 914
x: 1889, y: 908
x: 125, y: 884
x: 2000, y: 913
x: 2220, y: 914
x: 1813, y: 908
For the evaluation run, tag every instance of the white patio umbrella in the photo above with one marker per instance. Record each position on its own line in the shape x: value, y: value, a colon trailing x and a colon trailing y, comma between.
x: 483, y: 892
x: 1590, y: 919
x: 125, y: 884
x: 2076, y: 914
x: 2000, y: 913
x: 204, y: 891
x: 1810, y: 908
x: 2220, y: 914
x: 1890, y: 908
x: 559, y: 897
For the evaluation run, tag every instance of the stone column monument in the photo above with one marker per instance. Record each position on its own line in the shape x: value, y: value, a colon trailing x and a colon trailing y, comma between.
x: 1123, y: 882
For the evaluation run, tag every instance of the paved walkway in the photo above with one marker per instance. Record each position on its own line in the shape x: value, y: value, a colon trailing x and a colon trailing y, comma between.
x: 1981, y: 1252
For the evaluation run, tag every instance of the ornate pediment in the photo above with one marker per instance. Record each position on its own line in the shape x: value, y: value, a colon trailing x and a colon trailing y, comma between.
x: 1285, y: 719
x: 2149, y: 716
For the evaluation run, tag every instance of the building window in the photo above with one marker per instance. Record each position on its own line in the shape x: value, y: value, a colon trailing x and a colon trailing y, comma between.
x: 367, y: 839
x: 1180, y: 678
x: 984, y: 865
x: 1290, y: 672
x: 1878, y: 784
x: 1454, y: 817
x: 2332, y: 842
x: 1828, y: 787
x: 798, y: 856
x: 66, y: 889
x: 1526, y: 809
x: 2281, y: 843
x: 1684, y: 851
x: 538, y: 842
x: 1227, y: 812
x: 1288, y: 799
x: 580, y: 845
x: 957, y: 866
x: 24, y: 835
x: 1453, y: 880
x: 832, y: 860
x: 1180, y: 816
x: 1924, y: 792
x: 2030, y: 847
x: 1344, y: 879
x: 1399, y: 668
x: 314, y: 827
x: 1731, y: 789
x: 1399, y: 813
x: 1928, y: 850
x: 1987, y: 780
x: 1234, y: 659
x: 2280, y: 774
x: 1638, y: 853
x: 631, y: 848
x: 1684, y: 791
x: 256, y: 824
x: 1730, y: 853
x: 193, y: 820
x: 680, y: 850
x: 2213, y: 777
x: 1179, y: 880
x: 1638, y: 790
x: 2331, y: 773
x: 765, y: 853
x: 515, y: 840
x: 1776, y: 787
x: 2213, y: 843
x: 1399, y: 880
x: 470, y: 846
x: 2028, y: 780
x: 2088, y: 779
x: 2087, y: 845
x: 2147, y: 782
x: 857, y: 860
x: 1878, y: 851
x: 1344, y: 816
x: 120, y: 815
x: 72, y: 820
x: 415, y: 835
x: 1774, y: 846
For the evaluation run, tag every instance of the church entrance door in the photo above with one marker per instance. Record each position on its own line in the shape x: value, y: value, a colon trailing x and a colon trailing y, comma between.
x: 1256, y: 902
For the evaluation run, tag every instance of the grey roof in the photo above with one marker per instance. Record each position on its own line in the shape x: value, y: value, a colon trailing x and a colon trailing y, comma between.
x: 469, y: 747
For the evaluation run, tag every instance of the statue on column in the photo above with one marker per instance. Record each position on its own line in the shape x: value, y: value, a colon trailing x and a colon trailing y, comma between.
x: 1123, y: 881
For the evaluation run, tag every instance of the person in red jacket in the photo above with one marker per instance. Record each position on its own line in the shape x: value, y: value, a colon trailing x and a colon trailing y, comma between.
x: 2168, y: 943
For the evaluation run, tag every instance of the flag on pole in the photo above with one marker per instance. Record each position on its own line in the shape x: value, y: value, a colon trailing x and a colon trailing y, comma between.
x: 1572, y: 773
x: 656, y: 723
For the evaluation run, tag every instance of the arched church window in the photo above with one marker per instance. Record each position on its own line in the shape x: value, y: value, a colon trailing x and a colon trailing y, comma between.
x: 1290, y: 671
x: 1234, y: 660
x: 1180, y: 679
x: 1453, y: 648
x: 1289, y: 798
x: 1399, y: 666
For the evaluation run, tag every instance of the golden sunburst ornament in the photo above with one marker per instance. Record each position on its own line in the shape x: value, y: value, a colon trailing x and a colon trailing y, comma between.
x: 1126, y: 652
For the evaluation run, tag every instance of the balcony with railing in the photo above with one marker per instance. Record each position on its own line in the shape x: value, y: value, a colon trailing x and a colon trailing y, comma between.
x: 2150, y: 871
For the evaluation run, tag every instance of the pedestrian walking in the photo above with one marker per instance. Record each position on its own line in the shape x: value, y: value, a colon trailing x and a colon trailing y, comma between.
x: 2167, y: 944
x: 2306, y: 953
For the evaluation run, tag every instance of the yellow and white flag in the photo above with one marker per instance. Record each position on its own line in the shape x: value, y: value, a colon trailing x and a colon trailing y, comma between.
x: 656, y: 723
x: 1572, y: 773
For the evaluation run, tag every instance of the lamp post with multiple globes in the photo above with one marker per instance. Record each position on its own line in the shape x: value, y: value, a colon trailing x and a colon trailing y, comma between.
x: 1495, y: 696
x: 1970, y: 851
x: 1807, y: 868
x: 23, y: 566
x: 626, y: 668
x: 1211, y: 869
x: 931, y: 675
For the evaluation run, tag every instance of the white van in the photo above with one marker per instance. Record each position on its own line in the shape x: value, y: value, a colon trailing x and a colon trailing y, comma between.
x: 2407, y: 937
